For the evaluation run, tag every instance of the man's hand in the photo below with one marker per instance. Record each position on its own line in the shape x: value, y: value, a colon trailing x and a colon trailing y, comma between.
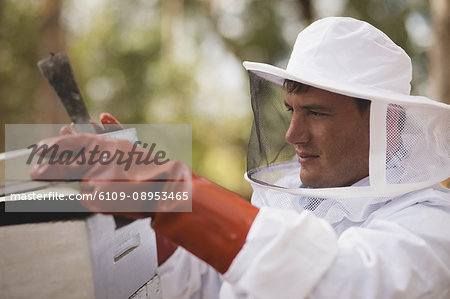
x: 108, y: 124
x: 214, y: 231
x: 110, y: 166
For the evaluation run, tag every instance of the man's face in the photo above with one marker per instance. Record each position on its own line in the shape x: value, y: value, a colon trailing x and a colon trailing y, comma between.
x: 330, y: 136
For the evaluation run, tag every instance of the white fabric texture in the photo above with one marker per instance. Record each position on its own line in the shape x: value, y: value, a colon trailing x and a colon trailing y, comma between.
x: 400, y: 250
x: 383, y: 70
x: 301, y: 243
x: 183, y: 275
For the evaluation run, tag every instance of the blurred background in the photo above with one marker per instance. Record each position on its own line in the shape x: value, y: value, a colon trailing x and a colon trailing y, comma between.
x: 150, y: 61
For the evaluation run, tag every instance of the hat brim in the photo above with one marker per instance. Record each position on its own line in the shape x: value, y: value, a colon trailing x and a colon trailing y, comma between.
x: 278, y: 76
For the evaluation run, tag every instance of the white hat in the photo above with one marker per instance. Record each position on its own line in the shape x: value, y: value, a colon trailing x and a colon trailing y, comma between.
x: 349, y: 57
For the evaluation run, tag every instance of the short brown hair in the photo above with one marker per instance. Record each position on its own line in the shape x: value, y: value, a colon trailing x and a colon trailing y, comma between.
x: 297, y: 87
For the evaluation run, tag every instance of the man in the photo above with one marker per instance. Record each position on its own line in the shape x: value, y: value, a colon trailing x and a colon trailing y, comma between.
x: 351, y: 207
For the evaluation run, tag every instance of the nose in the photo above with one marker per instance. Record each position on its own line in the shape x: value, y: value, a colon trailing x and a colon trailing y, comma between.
x: 298, y: 131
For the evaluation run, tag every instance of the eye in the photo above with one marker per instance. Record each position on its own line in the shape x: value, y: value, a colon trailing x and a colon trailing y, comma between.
x: 316, y: 113
x: 288, y: 107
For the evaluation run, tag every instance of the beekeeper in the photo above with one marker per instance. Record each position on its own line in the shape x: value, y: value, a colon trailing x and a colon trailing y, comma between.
x: 345, y: 167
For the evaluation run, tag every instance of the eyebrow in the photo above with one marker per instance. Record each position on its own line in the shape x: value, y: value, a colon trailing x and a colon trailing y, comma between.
x: 311, y: 107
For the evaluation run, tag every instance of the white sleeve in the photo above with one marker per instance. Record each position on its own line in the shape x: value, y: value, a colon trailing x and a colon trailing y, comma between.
x: 290, y: 255
x: 284, y: 256
x: 184, y: 276
x: 406, y: 255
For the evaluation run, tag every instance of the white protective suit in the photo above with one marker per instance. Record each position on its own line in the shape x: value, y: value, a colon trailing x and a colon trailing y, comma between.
x: 397, y: 249
x: 386, y: 236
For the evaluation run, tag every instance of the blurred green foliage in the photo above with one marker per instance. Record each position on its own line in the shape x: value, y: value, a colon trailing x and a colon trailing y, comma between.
x: 168, y: 62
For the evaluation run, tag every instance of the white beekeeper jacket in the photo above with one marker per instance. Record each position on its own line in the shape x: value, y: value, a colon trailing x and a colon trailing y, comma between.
x: 400, y: 250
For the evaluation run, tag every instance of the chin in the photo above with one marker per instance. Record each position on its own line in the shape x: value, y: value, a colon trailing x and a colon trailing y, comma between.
x: 317, y: 182
x: 311, y: 182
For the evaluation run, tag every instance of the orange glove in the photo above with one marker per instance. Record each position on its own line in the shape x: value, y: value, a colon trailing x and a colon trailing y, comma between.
x: 217, y: 227
x: 215, y: 230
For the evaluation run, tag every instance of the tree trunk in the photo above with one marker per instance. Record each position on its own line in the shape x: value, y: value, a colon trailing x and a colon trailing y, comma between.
x: 307, y: 10
x: 439, y: 53
x: 48, y: 109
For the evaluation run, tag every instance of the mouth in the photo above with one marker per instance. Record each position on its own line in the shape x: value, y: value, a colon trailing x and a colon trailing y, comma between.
x: 304, y: 158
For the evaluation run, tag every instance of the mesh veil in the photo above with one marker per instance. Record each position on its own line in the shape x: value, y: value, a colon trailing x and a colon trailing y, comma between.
x: 267, y: 146
x: 409, y: 150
